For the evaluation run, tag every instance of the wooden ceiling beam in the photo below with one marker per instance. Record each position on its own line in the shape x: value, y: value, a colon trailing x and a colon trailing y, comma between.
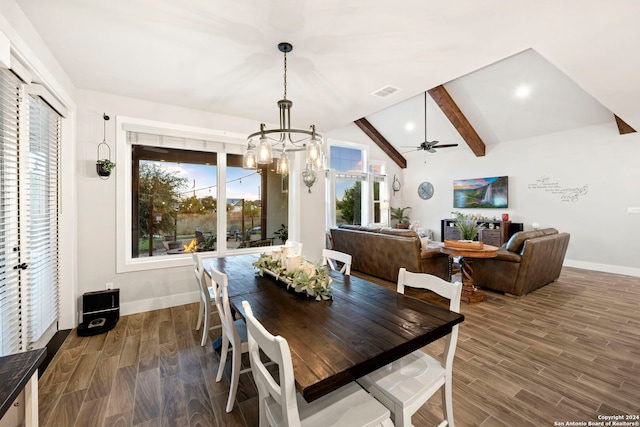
x: 623, y: 127
x: 381, y: 142
x: 458, y: 120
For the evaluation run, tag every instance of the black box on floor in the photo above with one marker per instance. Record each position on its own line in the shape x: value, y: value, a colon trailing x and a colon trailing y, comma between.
x: 100, y: 312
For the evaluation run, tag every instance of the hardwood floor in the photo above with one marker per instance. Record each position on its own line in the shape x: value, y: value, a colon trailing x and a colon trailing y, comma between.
x: 567, y: 352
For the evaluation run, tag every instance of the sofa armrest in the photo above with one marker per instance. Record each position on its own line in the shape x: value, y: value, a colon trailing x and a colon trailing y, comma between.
x: 506, y: 255
x: 430, y: 253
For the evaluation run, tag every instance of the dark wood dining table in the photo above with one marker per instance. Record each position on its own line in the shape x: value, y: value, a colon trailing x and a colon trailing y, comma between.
x: 364, y: 327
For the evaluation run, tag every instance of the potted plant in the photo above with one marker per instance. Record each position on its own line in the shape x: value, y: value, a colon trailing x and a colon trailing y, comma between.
x: 468, y: 228
x: 104, y: 167
x: 282, y: 233
x: 399, y: 215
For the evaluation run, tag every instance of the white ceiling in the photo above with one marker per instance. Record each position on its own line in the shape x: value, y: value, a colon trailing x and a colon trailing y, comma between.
x: 578, y: 58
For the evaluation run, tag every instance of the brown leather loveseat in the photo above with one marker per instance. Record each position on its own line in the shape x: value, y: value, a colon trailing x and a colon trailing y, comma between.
x: 528, y: 261
x: 381, y: 252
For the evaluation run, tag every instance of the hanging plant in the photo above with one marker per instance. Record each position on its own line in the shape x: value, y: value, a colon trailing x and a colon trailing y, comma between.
x: 104, y: 167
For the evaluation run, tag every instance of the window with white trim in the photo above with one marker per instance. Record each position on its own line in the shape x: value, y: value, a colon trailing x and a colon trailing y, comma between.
x: 176, y: 203
x: 355, y: 186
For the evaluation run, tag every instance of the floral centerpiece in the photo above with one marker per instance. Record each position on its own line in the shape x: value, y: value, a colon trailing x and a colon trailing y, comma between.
x: 310, y: 278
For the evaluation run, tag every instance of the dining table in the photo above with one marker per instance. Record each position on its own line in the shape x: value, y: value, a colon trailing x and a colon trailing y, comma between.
x: 363, y: 327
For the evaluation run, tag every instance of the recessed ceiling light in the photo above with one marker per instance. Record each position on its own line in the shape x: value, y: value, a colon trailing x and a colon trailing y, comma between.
x: 523, y: 91
x: 410, y: 126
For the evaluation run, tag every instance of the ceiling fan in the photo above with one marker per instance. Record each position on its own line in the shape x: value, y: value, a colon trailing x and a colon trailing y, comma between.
x: 427, y: 145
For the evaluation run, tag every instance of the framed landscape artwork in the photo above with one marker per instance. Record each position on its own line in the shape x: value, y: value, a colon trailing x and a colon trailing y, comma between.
x: 490, y: 192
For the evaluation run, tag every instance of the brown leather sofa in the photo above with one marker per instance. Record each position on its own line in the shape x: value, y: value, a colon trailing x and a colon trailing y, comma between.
x: 528, y: 261
x: 381, y: 252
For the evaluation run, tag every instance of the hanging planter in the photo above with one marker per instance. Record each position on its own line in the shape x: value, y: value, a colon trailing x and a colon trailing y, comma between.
x: 104, y: 165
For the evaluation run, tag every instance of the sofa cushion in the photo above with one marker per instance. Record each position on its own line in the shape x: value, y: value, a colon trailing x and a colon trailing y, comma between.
x: 548, y: 231
x: 424, y: 242
x: 516, y: 241
x: 506, y: 255
x: 349, y: 226
x: 398, y: 232
x: 370, y: 229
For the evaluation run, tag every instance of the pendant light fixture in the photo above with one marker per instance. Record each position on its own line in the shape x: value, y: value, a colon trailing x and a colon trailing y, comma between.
x: 284, y: 139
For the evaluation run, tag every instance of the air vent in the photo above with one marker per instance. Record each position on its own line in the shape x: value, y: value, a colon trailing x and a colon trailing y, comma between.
x: 385, y: 91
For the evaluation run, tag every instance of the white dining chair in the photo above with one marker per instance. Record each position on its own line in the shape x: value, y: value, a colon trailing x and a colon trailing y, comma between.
x: 281, y: 406
x: 207, y: 307
x: 329, y: 257
x: 408, y: 383
x: 234, y: 333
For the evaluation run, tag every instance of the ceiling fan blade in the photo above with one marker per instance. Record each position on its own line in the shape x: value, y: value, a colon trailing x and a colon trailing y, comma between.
x: 447, y: 145
x: 431, y: 150
x: 411, y: 151
x: 433, y: 143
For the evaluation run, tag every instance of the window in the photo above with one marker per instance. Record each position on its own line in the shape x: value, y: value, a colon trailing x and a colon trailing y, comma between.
x: 29, y: 176
x: 257, y: 205
x: 355, y: 191
x: 174, y: 199
x: 177, y: 202
x: 376, y: 173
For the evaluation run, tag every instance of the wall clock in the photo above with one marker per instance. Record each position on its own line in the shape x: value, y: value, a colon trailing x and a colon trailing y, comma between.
x: 425, y: 190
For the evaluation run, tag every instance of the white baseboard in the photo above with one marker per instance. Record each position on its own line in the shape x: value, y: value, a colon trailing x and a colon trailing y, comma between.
x: 141, y: 306
x: 607, y: 268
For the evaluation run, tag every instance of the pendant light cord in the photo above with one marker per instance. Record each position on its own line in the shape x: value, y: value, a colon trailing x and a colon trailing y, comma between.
x: 425, y: 116
x: 285, y: 75
x: 104, y: 128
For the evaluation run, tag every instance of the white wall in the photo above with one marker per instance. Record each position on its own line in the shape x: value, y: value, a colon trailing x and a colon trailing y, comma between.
x: 603, y: 236
x: 96, y: 210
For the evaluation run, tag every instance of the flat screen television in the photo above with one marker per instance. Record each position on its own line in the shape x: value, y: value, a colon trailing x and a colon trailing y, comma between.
x: 490, y: 192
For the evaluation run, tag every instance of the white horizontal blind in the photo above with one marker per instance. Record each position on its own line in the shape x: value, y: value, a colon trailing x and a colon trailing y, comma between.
x: 41, y: 279
x: 10, y: 298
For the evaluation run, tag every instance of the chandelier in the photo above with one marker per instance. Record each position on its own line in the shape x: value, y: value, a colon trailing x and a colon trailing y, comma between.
x: 285, y: 139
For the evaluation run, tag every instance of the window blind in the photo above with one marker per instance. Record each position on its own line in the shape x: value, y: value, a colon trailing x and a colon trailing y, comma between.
x: 10, y: 297
x: 41, y: 279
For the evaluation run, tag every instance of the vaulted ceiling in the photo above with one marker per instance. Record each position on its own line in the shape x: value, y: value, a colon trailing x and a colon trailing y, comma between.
x: 577, y: 58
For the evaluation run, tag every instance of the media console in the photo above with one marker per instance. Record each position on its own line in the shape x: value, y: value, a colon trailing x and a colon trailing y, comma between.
x: 494, y: 236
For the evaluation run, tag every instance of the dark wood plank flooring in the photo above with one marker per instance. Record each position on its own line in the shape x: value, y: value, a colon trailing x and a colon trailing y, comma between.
x: 567, y: 352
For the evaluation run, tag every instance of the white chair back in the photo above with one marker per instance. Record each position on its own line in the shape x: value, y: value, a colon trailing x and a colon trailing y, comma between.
x: 281, y: 406
x: 271, y: 393
x: 329, y: 256
x: 206, y: 309
x: 221, y: 297
x: 451, y: 291
x: 200, y: 277
x: 234, y: 333
x: 408, y: 383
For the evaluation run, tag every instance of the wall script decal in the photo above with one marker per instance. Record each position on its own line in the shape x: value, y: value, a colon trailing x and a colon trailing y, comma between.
x: 566, y: 194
